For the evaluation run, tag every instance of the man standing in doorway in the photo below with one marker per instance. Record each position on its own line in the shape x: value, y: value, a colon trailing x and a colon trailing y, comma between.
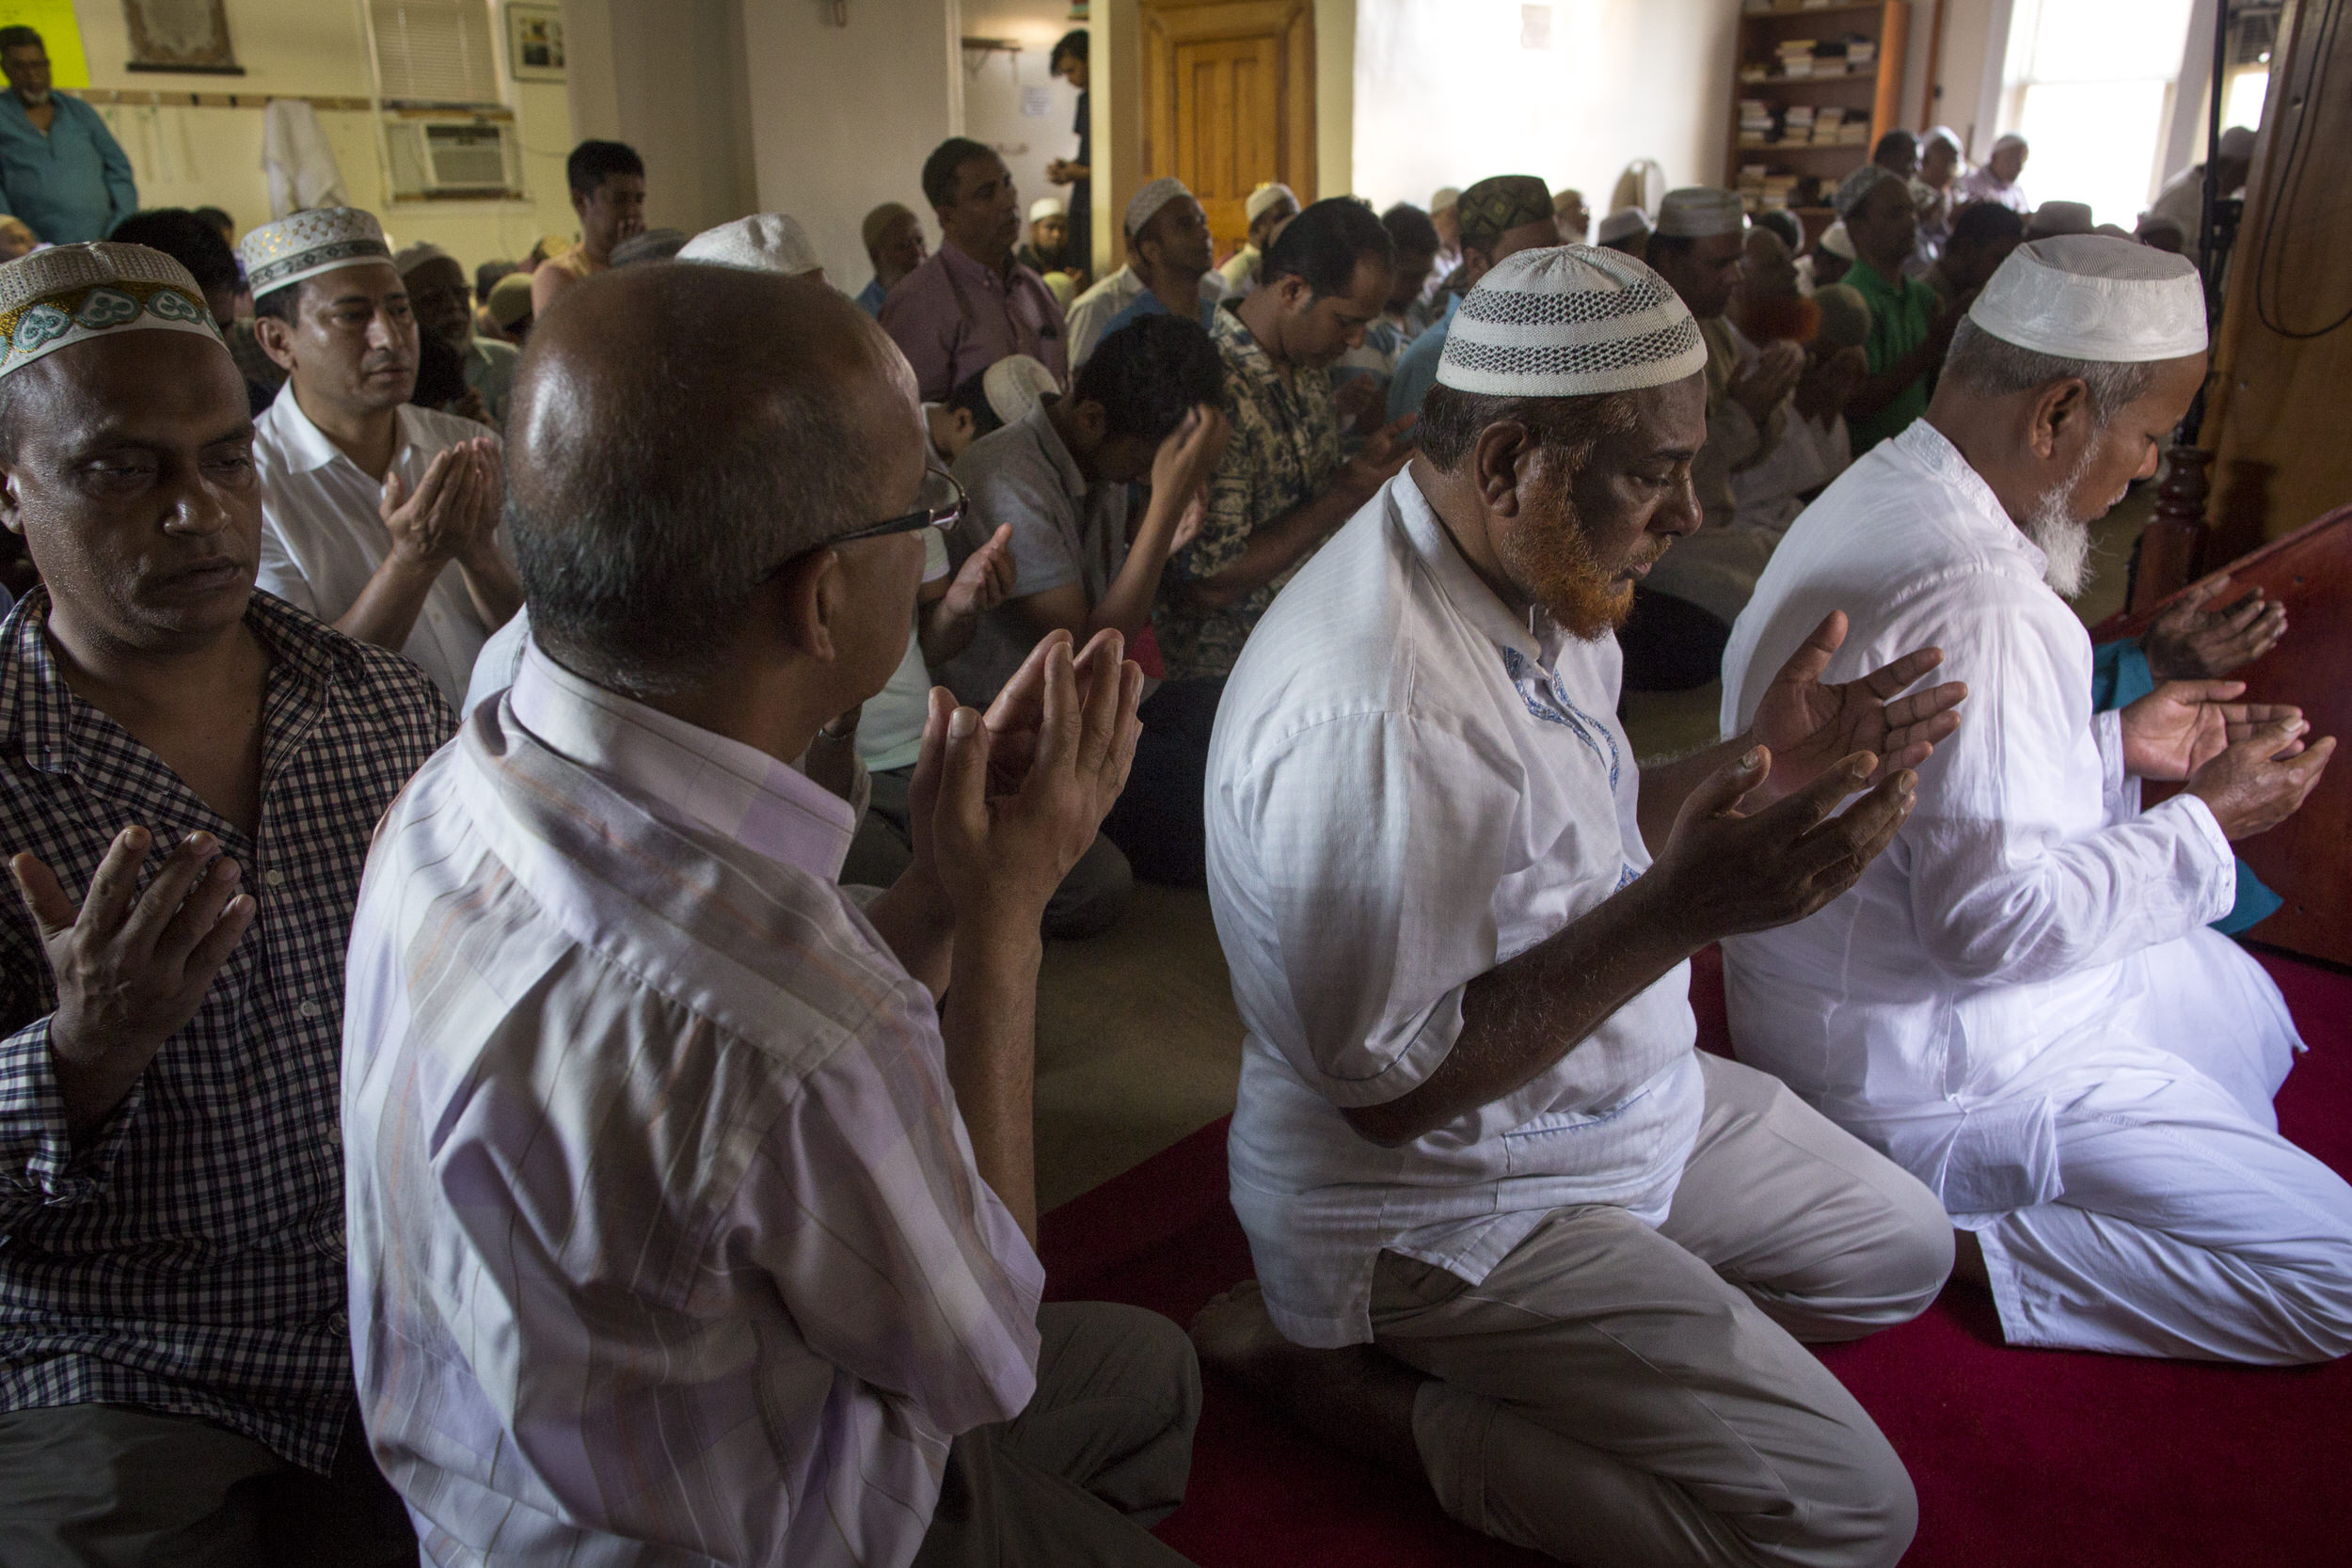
x: 60, y: 169
x: 971, y: 304
x: 1070, y: 64
x: 608, y: 184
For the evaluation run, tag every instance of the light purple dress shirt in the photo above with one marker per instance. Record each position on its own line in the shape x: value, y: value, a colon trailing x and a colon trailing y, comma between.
x: 952, y: 317
x: 666, y: 1240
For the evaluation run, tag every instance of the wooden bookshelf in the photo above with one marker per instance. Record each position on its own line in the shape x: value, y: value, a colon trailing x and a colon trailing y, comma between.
x: 1872, y: 91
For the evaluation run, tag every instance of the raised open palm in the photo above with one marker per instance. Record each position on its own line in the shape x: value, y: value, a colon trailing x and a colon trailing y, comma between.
x: 1810, y: 725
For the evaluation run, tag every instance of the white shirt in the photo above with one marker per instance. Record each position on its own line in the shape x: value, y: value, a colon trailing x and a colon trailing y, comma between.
x: 666, y: 1241
x: 1993, y: 955
x: 1406, y: 787
x: 323, y: 536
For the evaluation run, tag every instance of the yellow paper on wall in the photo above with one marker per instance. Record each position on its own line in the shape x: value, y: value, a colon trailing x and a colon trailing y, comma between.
x: 54, y: 21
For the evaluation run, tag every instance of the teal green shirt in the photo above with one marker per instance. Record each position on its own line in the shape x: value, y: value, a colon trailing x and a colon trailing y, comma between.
x: 71, y: 184
x: 1901, y: 314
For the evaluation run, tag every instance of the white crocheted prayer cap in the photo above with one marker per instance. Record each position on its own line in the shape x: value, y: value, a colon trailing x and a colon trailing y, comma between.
x: 765, y: 242
x: 1570, y: 321
x: 1150, y: 200
x: 1047, y: 207
x: 1015, y: 385
x: 1836, y: 241
x: 1623, y: 223
x: 2088, y: 296
x: 1444, y: 197
x: 1700, y: 211
x: 303, y: 245
x: 417, y: 255
x: 70, y: 293
x: 1266, y: 196
x: 2053, y: 218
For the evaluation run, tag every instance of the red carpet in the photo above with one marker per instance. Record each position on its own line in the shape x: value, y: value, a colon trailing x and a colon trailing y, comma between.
x: 2022, y: 1458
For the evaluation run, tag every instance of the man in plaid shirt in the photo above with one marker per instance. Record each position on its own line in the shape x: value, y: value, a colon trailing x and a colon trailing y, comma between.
x: 192, y: 771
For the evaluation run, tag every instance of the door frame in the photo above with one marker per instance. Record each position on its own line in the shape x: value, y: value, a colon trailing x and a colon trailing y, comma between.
x: 1164, y: 23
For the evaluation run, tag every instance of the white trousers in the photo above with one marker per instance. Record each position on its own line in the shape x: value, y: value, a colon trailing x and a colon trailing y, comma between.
x: 2186, y: 1226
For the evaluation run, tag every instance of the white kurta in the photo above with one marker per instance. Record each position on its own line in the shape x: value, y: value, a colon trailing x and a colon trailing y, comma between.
x: 1407, y: 786
x: 322, y: 536
x: 2020, y: 1002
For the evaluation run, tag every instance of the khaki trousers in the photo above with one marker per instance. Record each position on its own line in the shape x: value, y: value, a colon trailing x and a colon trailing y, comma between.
x: 1619, y: 1395
x: 1100, y: 1456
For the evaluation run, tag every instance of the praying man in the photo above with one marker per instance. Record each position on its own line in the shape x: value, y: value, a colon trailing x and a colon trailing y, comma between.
x: 2020, y: 1003
x: 1512, y: 1233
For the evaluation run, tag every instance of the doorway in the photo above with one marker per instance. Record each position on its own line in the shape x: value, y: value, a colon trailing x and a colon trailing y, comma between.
x: 1229, y: 101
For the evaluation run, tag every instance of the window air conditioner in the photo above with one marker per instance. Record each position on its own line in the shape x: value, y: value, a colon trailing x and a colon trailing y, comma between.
x: 453, y: 157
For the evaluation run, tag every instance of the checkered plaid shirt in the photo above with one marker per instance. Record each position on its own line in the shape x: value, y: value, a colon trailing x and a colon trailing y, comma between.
x: 189, y: 1258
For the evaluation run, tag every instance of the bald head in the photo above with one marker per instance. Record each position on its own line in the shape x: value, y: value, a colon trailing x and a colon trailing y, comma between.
x: 678, y: 431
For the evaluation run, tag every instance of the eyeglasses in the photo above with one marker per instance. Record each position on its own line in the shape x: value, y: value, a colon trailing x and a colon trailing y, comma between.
x: 939, y: 504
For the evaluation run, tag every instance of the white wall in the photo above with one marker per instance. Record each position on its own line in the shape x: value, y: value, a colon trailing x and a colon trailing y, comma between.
x: 193, y: 157
x: 667, y: 77
x: 993, y: 87
x: 842, y: 118
x: 1446, y: 95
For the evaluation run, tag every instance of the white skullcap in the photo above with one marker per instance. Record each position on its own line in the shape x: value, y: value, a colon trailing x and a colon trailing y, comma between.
x: 1150, y: 200
x: 2088, y: 296
x: 1446, y: 196
x: 303, y: 245
x: 1623, y: 224
x: 64, y: 295
x: 1944, y: 134
x: 1266, y: 196
x: 1836, y: 241
x: 2005, y: 140
x: 1047, y: 207
x: 1014, y: 385
x: 2236, y: 142
x: 2059, y: 218
x: 765, y: 242
x: 1569, y: 321
x: 1700, y: 211
x: 417, y: 255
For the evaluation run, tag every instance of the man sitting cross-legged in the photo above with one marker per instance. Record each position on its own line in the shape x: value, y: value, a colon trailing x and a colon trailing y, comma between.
x: 1472, y: 1129
x: 175, y: 1369
x: 687, y: 1223
x: 2021, y: 1003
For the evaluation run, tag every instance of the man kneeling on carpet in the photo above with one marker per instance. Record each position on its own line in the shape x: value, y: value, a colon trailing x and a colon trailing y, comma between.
x: 1513, y: 1233
x: 2021, y: 1003
x: 686, y: 1223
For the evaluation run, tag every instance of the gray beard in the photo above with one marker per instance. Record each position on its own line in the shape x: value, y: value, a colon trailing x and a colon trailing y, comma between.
x: 2064, y: 541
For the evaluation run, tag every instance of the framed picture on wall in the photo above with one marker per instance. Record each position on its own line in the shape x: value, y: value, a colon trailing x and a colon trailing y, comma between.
x: 534, y: 40
x: 180, y: 36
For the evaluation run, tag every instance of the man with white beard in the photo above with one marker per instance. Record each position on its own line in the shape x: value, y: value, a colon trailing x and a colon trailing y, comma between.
x: 2020, y: 1002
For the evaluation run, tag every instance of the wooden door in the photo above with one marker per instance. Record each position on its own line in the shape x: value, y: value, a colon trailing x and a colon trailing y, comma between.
x: 1229, y: 101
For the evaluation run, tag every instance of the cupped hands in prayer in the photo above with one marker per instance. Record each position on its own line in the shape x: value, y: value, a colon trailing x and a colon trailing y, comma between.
x: 131, y: 965
x: 1759, y: 385
x: 2182, y: 725
x: 1003, y: 804
x: 454, y: 512
x: 2190, y: 641
x: 1808, y: 726
x: 2262, y: 778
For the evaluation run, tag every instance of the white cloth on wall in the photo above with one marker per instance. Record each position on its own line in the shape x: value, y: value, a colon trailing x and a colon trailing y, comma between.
x: 2019, y: 1002
x: 295, y: 155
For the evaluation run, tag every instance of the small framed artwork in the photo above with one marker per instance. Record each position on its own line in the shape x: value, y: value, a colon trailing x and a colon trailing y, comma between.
x: 188, y: 36
x: 534, y: 40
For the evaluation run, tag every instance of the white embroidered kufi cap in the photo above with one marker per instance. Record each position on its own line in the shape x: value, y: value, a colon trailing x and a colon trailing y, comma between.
x: 2053, y: 218
x: 1836, y: 241
x: 1015, y: 385
x: 1700, y: 211
x: 1623, y: 224
x: 1446, y: 196
x: 2088, y: 296
x: 1150, y: 200
x: 303, y: 245
x: 70, y: 293
x: 417, y: 255
x: 1568, y: 321
x: 765, y: 242
x: 1266, y: 196
x: 1047, y: 207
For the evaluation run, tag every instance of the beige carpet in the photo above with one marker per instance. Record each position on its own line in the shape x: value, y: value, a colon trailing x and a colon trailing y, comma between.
x: 1137, y: 1042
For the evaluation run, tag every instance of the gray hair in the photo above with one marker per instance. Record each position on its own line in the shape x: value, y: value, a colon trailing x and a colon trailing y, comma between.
x: 1995, y: 367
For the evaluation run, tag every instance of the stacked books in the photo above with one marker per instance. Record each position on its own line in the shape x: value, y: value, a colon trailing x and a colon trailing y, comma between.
x: 1761, y: 190
x: 1795, y: 57
x: 1798, y: 121
x: 1756, y: 120
x: 1827, y: 122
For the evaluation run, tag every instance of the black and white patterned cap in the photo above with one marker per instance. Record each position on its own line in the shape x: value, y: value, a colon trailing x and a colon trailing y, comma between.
x: 1571, y: 320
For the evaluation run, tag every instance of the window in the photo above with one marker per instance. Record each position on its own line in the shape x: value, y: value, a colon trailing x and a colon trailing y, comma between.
x: 2089, y: 84
x: 434, y: 50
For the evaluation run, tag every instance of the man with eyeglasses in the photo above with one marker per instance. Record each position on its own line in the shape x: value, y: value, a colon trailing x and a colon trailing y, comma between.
x: 442, y: 301
x: 691, y: 1203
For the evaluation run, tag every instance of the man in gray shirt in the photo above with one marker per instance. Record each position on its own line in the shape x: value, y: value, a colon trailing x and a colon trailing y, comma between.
x: 1144, y: 408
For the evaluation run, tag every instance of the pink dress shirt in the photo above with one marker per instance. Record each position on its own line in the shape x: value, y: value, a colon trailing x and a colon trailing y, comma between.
x: 952, y: 318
